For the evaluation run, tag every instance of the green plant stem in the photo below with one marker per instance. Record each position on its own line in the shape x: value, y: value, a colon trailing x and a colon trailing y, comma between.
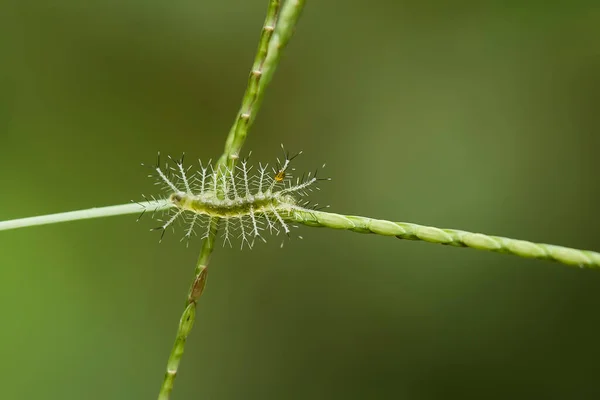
x: 123, y: 209
x: 186, y: 322
x: 451, y: 237
x: 276, y: 33
x: 401, y: 230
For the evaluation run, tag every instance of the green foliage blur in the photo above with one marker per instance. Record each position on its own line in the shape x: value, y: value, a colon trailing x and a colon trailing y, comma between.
x: 470, y: 115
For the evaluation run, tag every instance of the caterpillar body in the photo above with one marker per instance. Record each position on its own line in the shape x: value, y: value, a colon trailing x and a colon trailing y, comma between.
x: 243, y: 204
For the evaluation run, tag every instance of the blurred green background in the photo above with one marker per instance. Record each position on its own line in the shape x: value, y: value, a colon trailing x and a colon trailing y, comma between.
x: 470, y: 115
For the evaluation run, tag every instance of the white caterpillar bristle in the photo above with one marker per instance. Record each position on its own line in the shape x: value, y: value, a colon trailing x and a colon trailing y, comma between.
x: 247, y: 205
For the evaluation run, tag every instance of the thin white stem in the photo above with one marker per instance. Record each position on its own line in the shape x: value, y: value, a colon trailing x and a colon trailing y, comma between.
x: 122, y: 209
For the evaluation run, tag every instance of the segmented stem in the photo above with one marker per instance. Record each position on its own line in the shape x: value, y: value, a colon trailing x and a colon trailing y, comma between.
x: 186, y: 322
x: 272, y: 41
x: 451, y: 237
x: 276, y: 33
x: 290, y: 13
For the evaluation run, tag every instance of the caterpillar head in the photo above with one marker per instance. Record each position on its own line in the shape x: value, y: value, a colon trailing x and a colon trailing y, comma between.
x: 177, y: 199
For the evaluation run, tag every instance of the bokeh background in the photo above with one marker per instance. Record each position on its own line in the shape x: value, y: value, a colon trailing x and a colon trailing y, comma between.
x: 474, y: 115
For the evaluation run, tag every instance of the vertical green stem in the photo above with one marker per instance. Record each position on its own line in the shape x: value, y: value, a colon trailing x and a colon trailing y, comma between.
x: 188, y: 317
x: 290, y: 13
x: 276, y: 33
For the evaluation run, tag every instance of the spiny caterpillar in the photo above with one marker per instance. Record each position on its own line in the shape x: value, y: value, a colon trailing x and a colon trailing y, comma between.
x: 245, y: 204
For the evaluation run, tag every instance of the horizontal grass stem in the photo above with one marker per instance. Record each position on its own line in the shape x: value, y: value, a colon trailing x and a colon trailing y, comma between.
x: 450, y: 237
x: 99, y: 212
x: 401, y: 230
